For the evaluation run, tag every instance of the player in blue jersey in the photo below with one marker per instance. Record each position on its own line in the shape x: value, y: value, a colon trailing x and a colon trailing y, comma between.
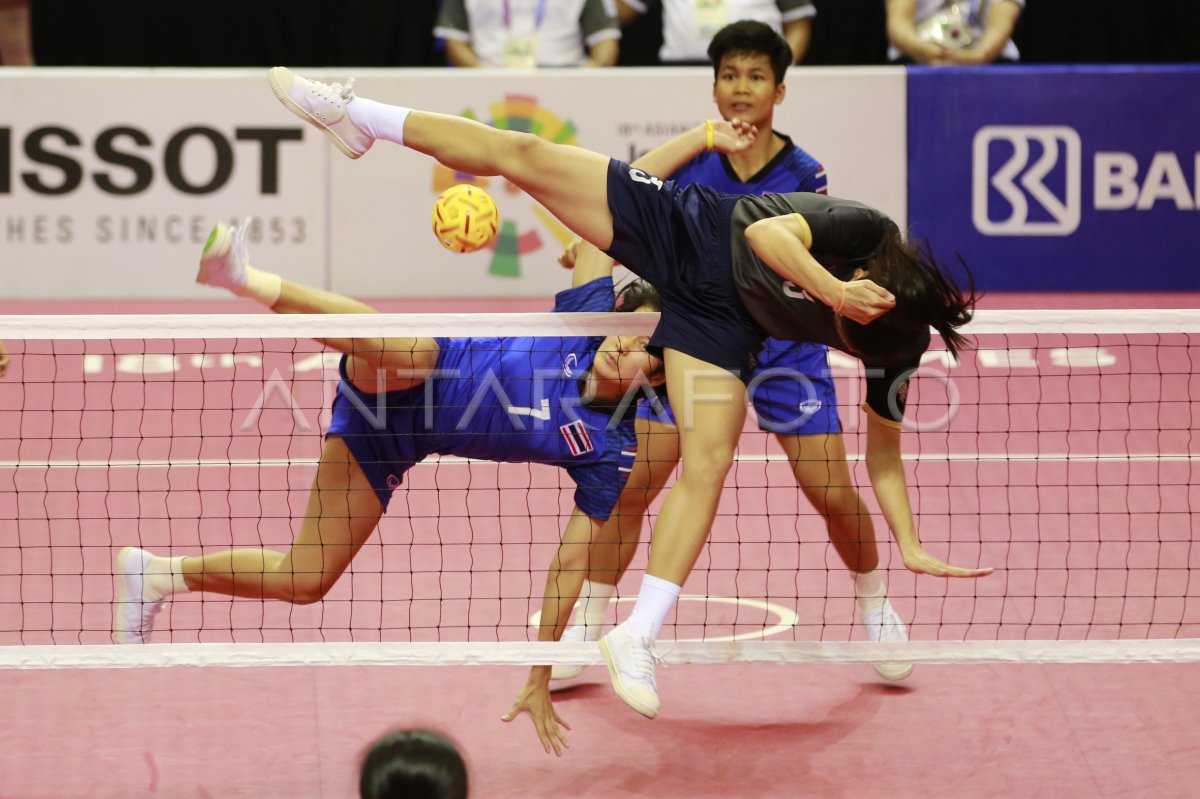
x: 564, y: 401
x: 793, y: 392
x: 731, y: 270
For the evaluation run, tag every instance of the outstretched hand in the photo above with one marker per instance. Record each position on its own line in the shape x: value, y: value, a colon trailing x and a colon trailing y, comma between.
x: 920, y: 561
x: 732, y: 135
x: 864, y: 301
x: 534, y: 699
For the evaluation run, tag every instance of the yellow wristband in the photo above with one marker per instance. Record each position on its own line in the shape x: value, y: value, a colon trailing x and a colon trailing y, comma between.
x: 708, y: 134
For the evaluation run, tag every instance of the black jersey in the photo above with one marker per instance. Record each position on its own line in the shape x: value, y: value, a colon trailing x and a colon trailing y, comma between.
x: 845, y: 234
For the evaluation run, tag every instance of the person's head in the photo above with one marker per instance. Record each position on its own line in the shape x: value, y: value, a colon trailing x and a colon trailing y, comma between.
x: 622, y: 362
x: 925, y: 297
x: 749, y: 61
x: 414, y: 764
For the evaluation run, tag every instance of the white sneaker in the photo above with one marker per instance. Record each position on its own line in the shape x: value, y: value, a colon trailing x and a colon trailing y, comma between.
x: 137, y: 605
x: 884, y: 624
x: 565, y: 671
x: 631, y: 666
x: 322, y: 105
x: 223, y: 262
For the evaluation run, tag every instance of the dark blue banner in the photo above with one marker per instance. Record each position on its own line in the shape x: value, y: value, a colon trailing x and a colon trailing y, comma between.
x: 1059, y: 178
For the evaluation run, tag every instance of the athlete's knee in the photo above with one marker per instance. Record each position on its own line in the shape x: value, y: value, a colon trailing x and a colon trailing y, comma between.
x: 708, y: 470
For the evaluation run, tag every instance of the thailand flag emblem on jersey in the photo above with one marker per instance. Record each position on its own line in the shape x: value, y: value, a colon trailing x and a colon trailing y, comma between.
x: 577, y: 438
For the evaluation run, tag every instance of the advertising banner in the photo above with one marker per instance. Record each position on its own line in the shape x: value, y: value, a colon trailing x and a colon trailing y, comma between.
x: 1059, y: 179
x: 111, y: 179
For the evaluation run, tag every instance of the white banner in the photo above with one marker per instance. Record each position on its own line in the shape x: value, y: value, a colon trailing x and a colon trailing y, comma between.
x: 111, y: 179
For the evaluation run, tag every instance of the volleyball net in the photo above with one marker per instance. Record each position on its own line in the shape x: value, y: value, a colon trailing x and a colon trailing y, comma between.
x: 1061, y: 450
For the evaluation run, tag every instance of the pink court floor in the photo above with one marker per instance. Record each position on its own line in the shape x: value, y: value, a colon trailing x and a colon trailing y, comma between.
x: 1084, y: 548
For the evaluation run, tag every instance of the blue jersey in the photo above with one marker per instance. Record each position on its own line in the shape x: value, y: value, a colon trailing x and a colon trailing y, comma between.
x: 514, y: 399
x: 790, y: 170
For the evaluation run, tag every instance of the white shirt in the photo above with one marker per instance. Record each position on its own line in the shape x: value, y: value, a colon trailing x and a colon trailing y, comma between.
x: 682, y: 40
x: 566, y: 26
x: 977, y: 11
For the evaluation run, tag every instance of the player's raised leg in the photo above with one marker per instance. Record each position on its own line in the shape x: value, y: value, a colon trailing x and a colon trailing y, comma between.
x: 375, y: 364
x: 570, y: 181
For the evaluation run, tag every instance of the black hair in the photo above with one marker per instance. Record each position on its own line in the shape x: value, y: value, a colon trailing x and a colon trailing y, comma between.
x: 415, y: 764
x: 637, y: 294
x: 748, y: 37
x: 926, y: 296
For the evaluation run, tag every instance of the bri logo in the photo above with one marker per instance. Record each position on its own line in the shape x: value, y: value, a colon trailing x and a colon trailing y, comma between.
x: 1018, y: 182
x: 1027, y: 180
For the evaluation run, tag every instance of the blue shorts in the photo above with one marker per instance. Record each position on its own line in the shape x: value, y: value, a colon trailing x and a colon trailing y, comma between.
x: 678, y: 240
x: 792, y: 392
x: 386, y: 433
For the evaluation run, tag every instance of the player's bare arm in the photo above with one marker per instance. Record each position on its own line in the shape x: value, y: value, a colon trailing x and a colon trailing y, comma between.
x: 886, y: 470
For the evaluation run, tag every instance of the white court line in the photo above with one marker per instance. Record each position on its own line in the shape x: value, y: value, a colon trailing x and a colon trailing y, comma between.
x: 453, y: 460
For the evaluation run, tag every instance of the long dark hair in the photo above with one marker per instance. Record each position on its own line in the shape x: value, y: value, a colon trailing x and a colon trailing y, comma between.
x: 926, y: 296
x: 416, y: 764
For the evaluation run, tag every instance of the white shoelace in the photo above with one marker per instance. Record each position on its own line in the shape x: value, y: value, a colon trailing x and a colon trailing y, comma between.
x: 334, y: 92
x: 645, y: 658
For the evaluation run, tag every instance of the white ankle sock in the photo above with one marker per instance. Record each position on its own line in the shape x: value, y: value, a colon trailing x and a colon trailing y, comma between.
x: 378, y: 120
x: 592, y: 607
x: 654, y: 602
x: 264, y: 287
x: 165, y: 576
x: 870, y: 590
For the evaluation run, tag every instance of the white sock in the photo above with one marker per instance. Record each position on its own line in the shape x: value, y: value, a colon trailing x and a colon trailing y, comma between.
x: 378, y: 120
x: 264, y: 287
x: 592, y: 606
x: 654, y: 602
x: 870, y: 590
x: 165, y: 576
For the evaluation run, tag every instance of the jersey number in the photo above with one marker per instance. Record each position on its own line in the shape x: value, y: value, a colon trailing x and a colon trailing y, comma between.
x: 542, y: 413
x: 641, y: 177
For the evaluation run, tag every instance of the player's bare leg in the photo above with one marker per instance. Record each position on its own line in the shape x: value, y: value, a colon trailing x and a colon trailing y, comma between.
x: 571, y: 182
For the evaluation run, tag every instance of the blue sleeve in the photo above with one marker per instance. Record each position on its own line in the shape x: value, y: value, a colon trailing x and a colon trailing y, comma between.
x: 812, y: 175
x: 597, y: 295
x: 598, y: 485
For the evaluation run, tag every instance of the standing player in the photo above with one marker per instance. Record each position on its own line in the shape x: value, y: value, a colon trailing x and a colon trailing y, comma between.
x: 728, y: 268
x: 466, y: 397
x: 794, y: 395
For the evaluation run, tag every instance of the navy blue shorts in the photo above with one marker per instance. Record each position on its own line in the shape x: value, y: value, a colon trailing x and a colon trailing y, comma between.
x: 386, y: 433
x: 678, y: 240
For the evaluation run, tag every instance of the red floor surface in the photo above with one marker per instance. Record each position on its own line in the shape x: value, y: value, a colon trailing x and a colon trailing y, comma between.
x: 1084, y: 546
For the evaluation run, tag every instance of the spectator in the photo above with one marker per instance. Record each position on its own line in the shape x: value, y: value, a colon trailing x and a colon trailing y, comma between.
x: 689, y: 25
x: 413, y: 764
x: 523, y: 34
x: 941, y: 32
x: 15, y: 47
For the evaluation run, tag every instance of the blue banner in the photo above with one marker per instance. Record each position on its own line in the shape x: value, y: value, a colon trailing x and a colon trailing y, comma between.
x: 1059, y: 178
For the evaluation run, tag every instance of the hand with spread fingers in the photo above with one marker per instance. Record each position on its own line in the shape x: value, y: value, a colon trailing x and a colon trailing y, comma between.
x: 534, y: 699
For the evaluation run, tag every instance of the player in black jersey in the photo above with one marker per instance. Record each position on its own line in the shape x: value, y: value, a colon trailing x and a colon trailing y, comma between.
x: 730, y: 269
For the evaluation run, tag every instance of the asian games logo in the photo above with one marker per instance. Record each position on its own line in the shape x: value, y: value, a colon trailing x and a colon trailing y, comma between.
x: 521, y: 233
